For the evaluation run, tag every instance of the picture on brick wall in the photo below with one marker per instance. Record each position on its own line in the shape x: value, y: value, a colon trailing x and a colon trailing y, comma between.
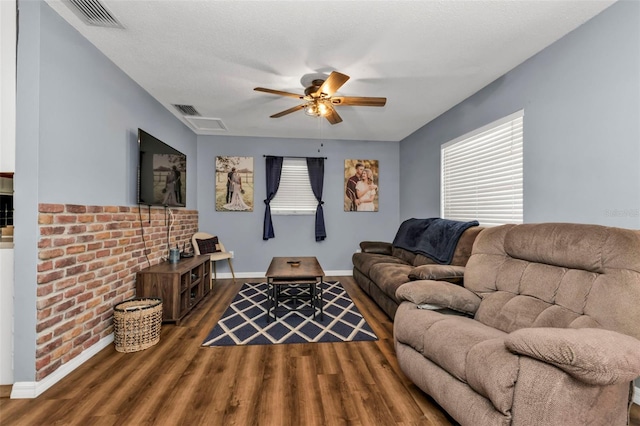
x: 360, y: 185
x: 234, y: 184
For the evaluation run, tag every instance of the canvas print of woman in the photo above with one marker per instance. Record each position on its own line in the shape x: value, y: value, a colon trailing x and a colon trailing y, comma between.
x: 234, y: 184
x: 361, y: 185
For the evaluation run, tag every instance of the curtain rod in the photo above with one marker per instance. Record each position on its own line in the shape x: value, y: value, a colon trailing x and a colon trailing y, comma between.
x: 290, y: 156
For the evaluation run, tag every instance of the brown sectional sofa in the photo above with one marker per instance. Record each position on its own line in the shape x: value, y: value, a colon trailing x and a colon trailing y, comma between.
x: 554, y: 335
x: 380, y: 268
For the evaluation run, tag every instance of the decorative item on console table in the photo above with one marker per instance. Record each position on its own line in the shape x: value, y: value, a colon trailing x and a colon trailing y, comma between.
x: 180, y: 285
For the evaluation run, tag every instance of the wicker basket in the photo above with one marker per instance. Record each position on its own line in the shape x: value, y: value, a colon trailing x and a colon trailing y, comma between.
x: 136, y: 324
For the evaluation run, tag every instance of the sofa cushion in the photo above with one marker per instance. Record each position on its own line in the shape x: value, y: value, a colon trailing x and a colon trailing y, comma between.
x: 411, y: 323
x: 461, y: 253
x: 568, y: 245
x: 465, y: 246
x: 364, y: 261
x: 406, y: 255
x: 421, y: 260
x: 388, y: 277
x: 509, y: 312
x: 208, y: 245
x: 448, y: 342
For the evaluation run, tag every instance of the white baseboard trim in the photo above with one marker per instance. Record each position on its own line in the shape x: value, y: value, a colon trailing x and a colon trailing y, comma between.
x: 338, y: 273
x: 636, y: 395
x: 254, y: 275
x: 24, y: 390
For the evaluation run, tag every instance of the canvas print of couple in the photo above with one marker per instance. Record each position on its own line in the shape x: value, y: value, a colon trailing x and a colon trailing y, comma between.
x: 361, y: 185
x: 234, y: 184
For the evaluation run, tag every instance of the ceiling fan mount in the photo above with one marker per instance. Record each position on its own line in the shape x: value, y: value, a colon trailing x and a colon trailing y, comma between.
x: 315, y: 85
x: 320, y: 101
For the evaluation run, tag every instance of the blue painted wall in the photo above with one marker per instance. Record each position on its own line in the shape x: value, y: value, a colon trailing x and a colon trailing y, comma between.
x: 77, y: 117
x: 581, y: 101
x: 90, y: 115
x: 242, y: 231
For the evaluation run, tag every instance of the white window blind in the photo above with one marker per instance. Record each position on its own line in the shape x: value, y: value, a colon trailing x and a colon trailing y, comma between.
x: 482, y: 174
x: 294, y: 195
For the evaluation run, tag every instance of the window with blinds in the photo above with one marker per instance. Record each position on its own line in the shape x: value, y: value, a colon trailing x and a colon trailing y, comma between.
x: 294, y: 195
x: 482, y: 174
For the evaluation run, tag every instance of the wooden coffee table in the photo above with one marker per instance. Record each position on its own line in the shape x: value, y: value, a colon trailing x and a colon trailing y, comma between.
x: 284, y: 272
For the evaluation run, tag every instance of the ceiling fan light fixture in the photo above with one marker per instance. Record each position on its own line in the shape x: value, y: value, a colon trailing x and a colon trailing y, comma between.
x: 322, y: 109
x: 311, y: 109
x: 316, y: 108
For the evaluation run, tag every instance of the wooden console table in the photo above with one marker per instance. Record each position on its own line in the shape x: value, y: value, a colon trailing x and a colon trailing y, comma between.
x: 180, y: 285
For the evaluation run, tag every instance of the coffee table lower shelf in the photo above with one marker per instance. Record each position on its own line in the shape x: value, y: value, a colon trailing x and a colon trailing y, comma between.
x: 277, y: 296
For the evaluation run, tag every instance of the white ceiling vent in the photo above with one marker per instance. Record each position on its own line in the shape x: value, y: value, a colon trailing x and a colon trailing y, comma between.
x: 207, y: 124
x: 187, y: 110
x: 93, y: 13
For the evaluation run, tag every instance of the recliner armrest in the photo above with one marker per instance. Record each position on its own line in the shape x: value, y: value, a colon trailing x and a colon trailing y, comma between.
x: 378, y: 247
x: 591, y: 355
x: 437, y: 272
x: 439, y: 293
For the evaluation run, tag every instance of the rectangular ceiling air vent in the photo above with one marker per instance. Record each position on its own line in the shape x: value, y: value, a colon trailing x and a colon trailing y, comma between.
x: 207, y: 124
x: 93, y: 13
x: 187, y: 110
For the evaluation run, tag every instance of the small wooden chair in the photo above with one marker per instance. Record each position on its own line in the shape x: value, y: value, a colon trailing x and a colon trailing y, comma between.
x: 215, y: 255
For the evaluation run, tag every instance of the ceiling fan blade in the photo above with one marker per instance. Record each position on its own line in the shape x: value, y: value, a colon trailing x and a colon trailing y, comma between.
x: 332, y: 83
x: 278, y: 92
x: 288, y: 111
x: 332, y: 116
x: 358, y: 101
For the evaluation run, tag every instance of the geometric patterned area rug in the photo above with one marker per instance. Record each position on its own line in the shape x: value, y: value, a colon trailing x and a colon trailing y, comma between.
x: 245, y: 320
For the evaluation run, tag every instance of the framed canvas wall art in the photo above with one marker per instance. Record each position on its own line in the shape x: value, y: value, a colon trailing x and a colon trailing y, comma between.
x: 361, y: 185
x: 234, y: 184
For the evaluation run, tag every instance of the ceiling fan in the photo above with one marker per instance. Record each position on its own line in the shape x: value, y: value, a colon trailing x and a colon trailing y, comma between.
x: 319, y: 99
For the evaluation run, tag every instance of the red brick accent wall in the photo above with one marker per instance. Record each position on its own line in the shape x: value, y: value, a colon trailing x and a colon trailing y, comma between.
x: 88, y: 259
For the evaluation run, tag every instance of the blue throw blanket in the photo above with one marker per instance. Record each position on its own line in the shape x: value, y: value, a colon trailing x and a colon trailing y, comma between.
x: 436, y: 238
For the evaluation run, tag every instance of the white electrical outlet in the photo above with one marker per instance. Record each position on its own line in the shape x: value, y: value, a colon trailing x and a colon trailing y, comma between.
x: 231, y: 251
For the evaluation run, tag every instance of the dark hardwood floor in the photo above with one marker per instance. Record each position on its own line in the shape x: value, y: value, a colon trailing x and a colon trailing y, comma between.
x: 180, y: 382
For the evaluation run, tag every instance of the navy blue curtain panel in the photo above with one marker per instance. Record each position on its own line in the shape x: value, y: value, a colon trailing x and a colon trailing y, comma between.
x: 274, y: 170
x: 315, y: 166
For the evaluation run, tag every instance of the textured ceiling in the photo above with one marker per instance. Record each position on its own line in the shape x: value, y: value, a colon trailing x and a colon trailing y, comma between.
x: 423, y: 56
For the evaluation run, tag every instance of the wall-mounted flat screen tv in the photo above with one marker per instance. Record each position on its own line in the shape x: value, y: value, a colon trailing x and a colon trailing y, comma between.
x: 162, y: 173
